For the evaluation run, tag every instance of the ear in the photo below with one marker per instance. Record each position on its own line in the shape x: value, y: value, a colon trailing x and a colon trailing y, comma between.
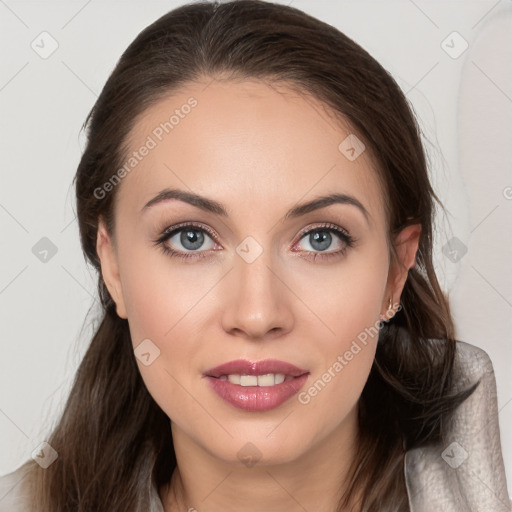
x: 406, y: 246
x: 109, y: 267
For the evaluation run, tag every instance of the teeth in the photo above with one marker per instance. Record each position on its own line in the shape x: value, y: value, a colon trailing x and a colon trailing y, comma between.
x: 279, y: 378
x: 266, y: 380
x: 248, y: 380
x: 234, y: 379
x: 269, y: 379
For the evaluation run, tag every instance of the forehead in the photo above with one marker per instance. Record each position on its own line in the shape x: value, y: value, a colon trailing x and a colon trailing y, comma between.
x: 246, y: 144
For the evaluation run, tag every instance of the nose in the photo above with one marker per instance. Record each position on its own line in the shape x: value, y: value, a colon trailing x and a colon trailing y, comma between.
x: 257, y: 301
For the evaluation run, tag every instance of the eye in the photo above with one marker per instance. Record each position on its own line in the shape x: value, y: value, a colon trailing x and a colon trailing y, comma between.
x: 322, y: 238
x: 195, y: 240
x: 185, y: 239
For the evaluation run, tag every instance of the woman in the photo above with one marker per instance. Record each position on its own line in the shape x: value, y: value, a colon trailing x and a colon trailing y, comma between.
x: 255, y: 197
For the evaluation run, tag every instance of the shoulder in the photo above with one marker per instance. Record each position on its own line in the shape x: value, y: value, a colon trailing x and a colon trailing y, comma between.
x: 464, y: 471
x: 13, y: 493
x: 473, y: 365
x: 472, y: 362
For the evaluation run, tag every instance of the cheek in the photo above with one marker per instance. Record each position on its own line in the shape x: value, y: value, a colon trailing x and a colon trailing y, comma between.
x: 159, y: 292
x: 349, y: 305
x: 163, y: 299
x: 348, y: 297
x: 331, y: 395
x: 159, y: 309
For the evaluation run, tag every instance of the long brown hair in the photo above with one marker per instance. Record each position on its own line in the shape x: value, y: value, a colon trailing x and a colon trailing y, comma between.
x: 113, y: 440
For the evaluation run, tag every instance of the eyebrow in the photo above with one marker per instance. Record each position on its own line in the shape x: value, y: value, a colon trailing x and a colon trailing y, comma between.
x: 217, y: 208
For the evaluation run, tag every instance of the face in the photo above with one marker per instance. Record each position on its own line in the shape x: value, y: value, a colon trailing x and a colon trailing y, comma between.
x: 245, y: 273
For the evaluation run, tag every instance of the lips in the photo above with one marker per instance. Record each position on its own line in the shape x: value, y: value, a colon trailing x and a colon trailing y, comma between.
x: 256, y: 386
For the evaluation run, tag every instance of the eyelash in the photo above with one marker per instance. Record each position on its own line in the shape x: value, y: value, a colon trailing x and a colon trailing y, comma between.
x: 345, y: 237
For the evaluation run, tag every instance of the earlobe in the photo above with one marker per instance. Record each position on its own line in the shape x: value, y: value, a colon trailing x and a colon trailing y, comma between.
x: 109, y: 267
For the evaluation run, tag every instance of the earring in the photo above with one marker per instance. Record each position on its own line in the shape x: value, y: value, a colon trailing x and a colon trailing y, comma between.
x: 386, y: 316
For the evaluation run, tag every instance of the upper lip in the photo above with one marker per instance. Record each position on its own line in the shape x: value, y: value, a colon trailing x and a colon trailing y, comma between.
x: 244, y: 367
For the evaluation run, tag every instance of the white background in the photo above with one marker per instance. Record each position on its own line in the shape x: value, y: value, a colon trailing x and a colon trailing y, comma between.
x: 464, y: 105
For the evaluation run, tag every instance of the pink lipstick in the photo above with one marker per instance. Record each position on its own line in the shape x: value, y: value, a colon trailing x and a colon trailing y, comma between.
x: 256, y: 386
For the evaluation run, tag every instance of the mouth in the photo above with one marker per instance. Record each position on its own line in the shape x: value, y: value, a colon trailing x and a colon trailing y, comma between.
x: 256, y: 386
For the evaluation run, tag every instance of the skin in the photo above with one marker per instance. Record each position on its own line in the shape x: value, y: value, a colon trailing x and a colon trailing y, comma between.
x: 259, y: 151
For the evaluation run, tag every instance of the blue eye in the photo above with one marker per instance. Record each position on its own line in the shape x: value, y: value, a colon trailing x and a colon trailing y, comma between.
x: 321, y: 239
x: 191, y: 237
x: 196, y: 240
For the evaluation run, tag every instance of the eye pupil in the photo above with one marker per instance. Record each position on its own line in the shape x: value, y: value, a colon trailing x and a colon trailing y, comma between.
x: 192, y: 239
x: 321, y: 238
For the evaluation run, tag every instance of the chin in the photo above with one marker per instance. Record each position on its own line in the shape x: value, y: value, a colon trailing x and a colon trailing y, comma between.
x: 252, y: 445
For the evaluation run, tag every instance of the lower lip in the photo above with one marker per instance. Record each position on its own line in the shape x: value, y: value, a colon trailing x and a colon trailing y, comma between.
x: 257, y: 398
